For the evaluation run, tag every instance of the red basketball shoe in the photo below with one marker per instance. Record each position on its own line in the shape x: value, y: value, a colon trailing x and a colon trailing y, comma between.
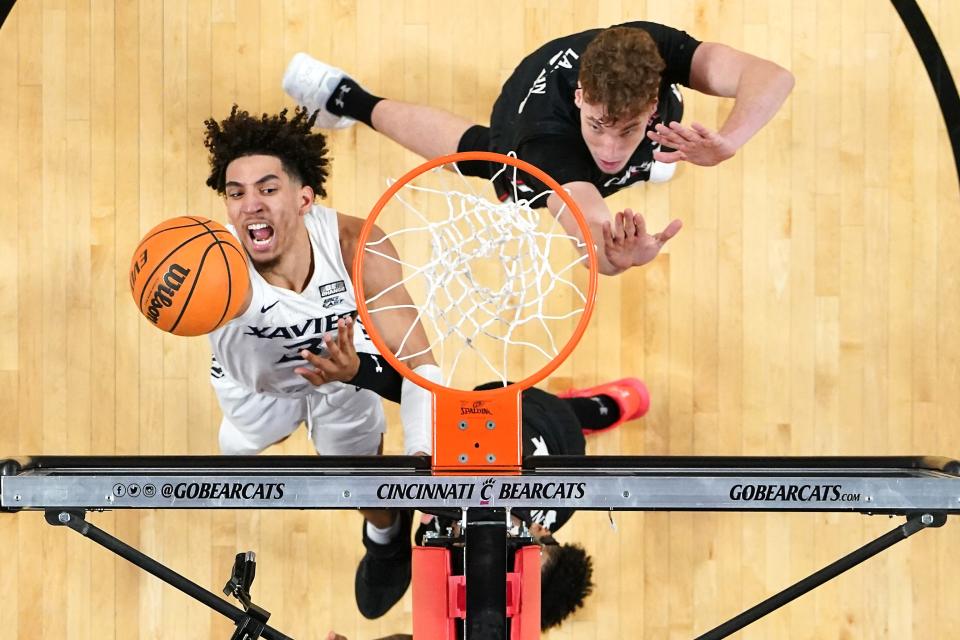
x: 630, y: 394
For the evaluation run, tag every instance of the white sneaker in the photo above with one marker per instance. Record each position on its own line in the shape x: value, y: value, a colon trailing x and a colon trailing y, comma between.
x: 311, y: 83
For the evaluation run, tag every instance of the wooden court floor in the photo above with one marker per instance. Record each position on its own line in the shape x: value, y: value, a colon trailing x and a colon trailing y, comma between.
x: 809, y: 306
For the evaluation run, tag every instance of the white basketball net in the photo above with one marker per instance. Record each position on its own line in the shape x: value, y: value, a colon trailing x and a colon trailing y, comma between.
x: 489, y: 282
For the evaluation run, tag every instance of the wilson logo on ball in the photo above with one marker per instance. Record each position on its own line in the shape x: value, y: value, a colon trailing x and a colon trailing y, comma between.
x: 163, y: 295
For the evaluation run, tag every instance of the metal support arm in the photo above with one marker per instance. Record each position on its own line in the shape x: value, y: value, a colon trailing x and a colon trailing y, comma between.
x: 250, y: 626
x: 914, y: 523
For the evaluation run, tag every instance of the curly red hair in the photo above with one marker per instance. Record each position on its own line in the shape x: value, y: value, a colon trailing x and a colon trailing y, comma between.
x: 620, y: 69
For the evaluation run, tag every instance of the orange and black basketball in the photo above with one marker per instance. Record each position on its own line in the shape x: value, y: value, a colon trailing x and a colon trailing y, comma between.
x: 189, y: 275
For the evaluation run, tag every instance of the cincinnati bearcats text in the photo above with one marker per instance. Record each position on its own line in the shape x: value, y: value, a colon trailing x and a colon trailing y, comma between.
x: 507, y: 490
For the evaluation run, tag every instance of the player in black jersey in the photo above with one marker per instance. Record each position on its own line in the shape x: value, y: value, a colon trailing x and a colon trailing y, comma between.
x: 598, y: 111
x: 551, y: 425
x: 556, y: 425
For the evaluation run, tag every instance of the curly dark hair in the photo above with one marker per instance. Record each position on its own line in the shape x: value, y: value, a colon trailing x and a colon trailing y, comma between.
x: 301, y: 152
x: 565, y: 581
x: 620, y: 69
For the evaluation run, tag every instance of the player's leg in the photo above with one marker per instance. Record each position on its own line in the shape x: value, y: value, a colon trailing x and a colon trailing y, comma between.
x: 252, y: 421
x: 426, y: 131
x: 597, y: 408
x: 341, y: 101
x: 384, y: 572
x: 351, y: 422
x: 551, y: 426
x: 608, y: 405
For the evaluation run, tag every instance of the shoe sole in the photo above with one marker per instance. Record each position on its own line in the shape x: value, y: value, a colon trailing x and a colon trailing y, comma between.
x: 292, y: 82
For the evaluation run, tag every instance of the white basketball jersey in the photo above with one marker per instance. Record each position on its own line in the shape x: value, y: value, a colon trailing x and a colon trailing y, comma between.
x: 261, y: 348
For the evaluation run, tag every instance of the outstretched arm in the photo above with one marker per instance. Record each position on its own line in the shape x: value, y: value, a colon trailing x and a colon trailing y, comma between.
x: 396, y: 321
x: 758, y: 86
x: 622, y: 240
x: 391, y: 306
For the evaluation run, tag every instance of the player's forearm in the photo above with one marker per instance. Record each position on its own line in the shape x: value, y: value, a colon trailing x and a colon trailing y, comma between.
x: 416, y: 403
x: 604, y: 266
x: 595, y: 212
x: 762, y: 89
x: 376, y: 374
x: 416, y: 412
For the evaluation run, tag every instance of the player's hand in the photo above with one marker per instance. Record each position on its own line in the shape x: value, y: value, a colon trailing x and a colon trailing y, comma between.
x: 626, y: 242
x: 695, y: 144
x: 342, y: 362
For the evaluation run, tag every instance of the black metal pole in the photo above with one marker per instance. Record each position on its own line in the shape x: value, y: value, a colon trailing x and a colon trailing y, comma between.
x: 887, y: 540
x: 76, y: 521
x: 485, y: 557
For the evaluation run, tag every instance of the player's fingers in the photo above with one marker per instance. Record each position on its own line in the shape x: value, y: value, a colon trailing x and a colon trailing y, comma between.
x: 320, y: 365
x: 672, y: 229
x: 669, y: 157
x: 310, y: 357
x: 703, y: 131
x: 607, y: 234
x: 629, y: 225
x: 620, y: 230
x: 683, y: 132
x: 669, y: 137
x: 314, y: 377
x: 333, y: 348
x: 640, y: 223
x: 347, y: 344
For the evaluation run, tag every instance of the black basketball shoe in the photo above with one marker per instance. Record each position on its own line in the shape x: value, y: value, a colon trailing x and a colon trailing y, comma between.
x: 383, y: 574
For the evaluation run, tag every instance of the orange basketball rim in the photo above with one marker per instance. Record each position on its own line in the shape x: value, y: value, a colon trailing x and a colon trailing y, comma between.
x: 477, y: 431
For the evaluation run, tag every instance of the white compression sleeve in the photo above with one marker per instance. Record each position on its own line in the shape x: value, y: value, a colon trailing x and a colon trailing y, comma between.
x: 416, y: 411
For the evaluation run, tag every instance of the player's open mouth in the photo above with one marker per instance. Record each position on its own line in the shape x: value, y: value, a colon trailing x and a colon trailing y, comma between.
x: 261, y: 234
x: 609, y: 167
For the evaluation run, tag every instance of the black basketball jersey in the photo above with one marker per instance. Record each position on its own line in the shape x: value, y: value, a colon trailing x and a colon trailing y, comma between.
x: 550, y: 427
x: 536, y: 117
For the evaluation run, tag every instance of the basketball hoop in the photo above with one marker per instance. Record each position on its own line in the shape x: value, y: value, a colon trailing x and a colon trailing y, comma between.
x: 493, y: 284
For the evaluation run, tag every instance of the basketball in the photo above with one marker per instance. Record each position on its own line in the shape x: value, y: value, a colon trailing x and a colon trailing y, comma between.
x: 188, y: 275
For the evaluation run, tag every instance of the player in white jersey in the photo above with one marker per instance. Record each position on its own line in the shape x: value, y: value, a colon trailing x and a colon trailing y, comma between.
x: 293, y: 353
x: 289, y: 356
x: 260, y: 350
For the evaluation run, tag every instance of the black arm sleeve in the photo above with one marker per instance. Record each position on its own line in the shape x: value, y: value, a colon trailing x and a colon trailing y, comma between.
x: 377, y: 375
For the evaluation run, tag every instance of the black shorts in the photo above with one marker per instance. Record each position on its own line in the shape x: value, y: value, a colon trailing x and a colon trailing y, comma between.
x: 545, y: 415
x: 477, y: 138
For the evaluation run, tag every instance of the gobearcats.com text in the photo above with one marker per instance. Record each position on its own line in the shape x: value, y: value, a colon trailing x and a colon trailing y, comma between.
x: 792, y: 493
